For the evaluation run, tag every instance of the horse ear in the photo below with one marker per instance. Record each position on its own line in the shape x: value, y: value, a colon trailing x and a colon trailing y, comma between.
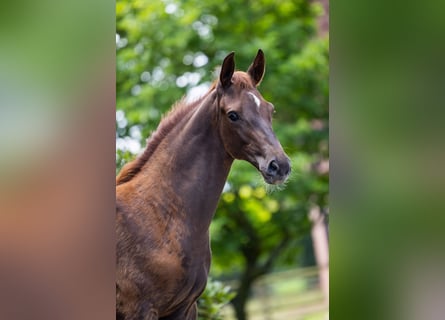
x: 257, y: 68
x: 227, y: 69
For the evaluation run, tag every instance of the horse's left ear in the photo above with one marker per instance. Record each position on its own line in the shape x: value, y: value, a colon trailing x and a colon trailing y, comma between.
x: 257, y: 68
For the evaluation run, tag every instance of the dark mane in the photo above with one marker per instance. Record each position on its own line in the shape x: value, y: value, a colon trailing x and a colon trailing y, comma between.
x: 179, y: 110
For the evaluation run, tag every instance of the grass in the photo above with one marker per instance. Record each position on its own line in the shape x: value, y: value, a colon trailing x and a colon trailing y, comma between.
x: 290, y: 295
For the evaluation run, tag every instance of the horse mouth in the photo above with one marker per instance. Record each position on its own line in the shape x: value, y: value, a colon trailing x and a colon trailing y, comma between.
x: 274, y: 179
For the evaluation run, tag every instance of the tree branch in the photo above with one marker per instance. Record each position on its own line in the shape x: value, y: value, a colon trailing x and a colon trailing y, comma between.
x: 267, y: 265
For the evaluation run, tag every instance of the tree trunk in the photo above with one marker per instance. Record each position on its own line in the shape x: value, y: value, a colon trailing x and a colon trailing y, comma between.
x: 251, y: 252
x: 239, y: 302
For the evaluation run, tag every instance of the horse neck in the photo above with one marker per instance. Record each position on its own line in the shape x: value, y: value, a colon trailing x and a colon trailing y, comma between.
x: 192, y: 162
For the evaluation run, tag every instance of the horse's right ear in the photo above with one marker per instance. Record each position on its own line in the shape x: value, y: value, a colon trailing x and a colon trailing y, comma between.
x: 227, y: 70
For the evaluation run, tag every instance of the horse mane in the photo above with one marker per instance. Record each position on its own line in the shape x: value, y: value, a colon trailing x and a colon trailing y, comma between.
x: 179, y: 110
x: 168, y: 121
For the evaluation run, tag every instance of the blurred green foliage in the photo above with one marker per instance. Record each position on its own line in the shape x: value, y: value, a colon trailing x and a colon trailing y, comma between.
x: 167, y: 48
x: 389, y: 179
x: 215, y: 296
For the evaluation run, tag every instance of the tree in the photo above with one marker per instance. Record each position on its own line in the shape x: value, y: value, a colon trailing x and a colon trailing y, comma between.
x: 167, y: 48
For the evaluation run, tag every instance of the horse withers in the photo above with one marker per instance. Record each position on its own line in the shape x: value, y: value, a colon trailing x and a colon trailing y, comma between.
x: 167, y: 196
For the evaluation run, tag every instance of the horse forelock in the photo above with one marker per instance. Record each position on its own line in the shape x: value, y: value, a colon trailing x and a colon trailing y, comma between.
x: 242, y: 80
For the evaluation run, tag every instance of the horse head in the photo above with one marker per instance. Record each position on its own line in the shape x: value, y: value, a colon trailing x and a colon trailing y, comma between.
x: 245, y: 120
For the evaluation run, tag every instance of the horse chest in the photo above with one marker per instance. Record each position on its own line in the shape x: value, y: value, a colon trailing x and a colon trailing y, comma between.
x: 183, y: 277
x: 166, y: 273
x: 163, y: 250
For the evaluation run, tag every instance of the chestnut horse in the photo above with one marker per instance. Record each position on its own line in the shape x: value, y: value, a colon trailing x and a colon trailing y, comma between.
x: 166, y: 198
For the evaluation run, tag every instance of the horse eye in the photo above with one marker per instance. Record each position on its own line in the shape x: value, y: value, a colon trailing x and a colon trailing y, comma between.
x: 233, y: 116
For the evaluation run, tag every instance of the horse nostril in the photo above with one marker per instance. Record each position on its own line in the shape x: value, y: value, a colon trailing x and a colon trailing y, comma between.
x: 273, y: 167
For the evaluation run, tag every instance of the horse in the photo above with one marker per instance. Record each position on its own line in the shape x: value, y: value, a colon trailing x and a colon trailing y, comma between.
x: 167, y: 196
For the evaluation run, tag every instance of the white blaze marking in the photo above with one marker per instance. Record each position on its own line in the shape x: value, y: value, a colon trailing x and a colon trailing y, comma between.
x: 255, y: 98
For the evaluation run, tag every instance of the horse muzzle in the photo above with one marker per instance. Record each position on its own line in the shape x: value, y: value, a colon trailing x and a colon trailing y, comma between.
x: 276, y: 171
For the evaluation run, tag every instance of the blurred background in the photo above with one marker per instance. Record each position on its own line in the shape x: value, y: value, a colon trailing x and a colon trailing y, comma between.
x: 57, y: 165
x: 270, y: 247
